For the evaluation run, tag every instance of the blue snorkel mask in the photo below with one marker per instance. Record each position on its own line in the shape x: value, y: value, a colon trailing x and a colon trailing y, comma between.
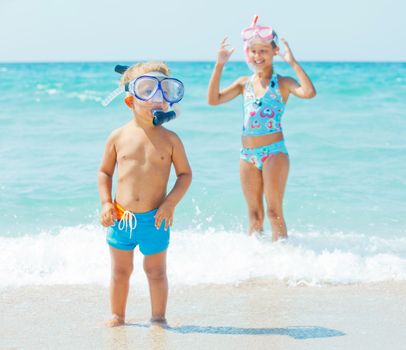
x: 155, y: 87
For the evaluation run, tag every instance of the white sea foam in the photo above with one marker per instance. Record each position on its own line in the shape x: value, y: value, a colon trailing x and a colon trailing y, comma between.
x: 79, y: 255
x: 52, y: 91
x: 86, y: 95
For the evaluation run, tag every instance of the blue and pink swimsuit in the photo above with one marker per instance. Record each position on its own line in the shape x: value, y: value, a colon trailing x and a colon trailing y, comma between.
x: 262, y: 116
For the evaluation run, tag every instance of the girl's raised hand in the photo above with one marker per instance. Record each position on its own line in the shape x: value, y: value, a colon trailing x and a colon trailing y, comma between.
x: 224, y: 52
x: 286, y: 53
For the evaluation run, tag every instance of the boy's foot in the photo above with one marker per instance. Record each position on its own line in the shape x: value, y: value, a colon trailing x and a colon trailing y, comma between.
x: 159, y: 321
x: 116, y: 321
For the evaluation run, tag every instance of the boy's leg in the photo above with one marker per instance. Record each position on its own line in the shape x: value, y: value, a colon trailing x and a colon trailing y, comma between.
x: 121, y: 269
x: 275, y: 174
x: 155, y: 269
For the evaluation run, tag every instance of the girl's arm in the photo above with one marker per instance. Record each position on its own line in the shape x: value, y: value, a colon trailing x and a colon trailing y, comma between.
x: 303, y: 89
x: 215, y: 96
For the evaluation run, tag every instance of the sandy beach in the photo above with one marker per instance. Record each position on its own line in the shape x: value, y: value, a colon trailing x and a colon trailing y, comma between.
x: 251, y: 315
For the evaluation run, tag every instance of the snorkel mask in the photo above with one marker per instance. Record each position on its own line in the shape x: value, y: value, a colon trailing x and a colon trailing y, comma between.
x: 154, y: 87
x: 254, y: 32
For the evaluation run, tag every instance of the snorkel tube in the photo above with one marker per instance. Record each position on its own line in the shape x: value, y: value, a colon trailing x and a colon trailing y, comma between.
x: 120, y: 69
x: 160, y: 116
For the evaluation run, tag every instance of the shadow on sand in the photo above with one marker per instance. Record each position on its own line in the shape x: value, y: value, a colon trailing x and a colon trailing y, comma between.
x: 296, y: 332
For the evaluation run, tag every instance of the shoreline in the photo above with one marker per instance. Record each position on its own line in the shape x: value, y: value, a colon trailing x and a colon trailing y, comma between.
x: 255, y: 314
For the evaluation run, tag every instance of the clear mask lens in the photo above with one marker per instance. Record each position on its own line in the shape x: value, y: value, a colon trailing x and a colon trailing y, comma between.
x: 248, y: 34
x: 172, y: 89
x: 145, y: 87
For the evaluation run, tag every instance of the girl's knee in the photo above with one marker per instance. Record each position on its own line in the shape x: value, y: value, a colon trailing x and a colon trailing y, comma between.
x: 256, y: 220
x: 256, y: 215
x: 274, y: 214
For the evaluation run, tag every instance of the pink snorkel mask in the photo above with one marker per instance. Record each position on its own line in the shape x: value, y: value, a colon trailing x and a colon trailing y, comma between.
x: 256, y: 32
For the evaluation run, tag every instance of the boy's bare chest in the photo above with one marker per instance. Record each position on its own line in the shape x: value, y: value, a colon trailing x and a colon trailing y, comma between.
x: 144, y: 151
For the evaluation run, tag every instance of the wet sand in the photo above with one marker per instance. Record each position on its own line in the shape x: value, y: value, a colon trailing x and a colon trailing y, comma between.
x: 251, y: 315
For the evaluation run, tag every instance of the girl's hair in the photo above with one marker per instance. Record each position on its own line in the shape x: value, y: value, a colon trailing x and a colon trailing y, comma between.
x: 139, y: 69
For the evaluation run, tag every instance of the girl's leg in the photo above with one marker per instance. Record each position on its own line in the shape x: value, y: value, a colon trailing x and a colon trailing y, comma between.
x: 275, y: 174
x: 121, y: 269
x: 155, y: 269
x: 252, y: 187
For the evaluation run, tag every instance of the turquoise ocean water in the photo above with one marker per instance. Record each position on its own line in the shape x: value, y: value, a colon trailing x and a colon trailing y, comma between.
x: 345, y: 199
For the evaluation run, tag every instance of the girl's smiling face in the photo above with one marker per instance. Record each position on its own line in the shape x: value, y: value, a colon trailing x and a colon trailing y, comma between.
x: 261, y: 54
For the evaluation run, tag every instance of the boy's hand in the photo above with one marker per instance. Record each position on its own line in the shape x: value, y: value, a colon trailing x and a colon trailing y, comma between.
x: 164, y: 212
x: 108, y: 215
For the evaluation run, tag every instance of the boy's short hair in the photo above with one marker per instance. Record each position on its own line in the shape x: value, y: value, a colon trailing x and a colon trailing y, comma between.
x: 141, y: 68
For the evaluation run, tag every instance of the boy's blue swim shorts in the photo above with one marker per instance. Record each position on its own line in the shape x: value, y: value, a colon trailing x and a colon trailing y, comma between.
x: 134, y: 229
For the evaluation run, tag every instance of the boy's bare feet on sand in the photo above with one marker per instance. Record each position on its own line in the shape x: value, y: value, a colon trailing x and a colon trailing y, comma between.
x: 159, y: 322
x: 115, y: 321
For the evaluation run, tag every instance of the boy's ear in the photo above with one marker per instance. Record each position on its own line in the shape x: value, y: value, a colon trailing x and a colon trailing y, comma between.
x: 129, y: 101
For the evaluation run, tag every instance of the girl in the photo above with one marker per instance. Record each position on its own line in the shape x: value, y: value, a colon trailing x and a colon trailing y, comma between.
x: 264, y: 161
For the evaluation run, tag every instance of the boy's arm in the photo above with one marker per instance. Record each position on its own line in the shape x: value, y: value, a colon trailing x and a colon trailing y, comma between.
x: 184, y: 178
x: 105, y: 180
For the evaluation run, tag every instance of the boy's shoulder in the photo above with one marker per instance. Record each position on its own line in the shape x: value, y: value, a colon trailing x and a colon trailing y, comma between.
x: 171, y: 138
x: 171, y: 135
x: 116, y: 133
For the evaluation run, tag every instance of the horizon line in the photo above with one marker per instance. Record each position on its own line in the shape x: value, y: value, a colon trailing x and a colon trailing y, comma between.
x: 190, y: 61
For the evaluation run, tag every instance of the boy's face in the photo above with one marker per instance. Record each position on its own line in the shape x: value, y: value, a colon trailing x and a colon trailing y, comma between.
x: 144, y: 108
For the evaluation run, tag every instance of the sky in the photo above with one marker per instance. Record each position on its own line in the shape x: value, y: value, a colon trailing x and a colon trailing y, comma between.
x: 181, y: 30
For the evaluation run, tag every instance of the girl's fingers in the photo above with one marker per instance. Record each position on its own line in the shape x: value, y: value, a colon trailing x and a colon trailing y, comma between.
x: 224, y: 43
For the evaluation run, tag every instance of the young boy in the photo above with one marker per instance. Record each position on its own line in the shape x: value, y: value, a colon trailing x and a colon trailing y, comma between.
x: 142, y: 211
